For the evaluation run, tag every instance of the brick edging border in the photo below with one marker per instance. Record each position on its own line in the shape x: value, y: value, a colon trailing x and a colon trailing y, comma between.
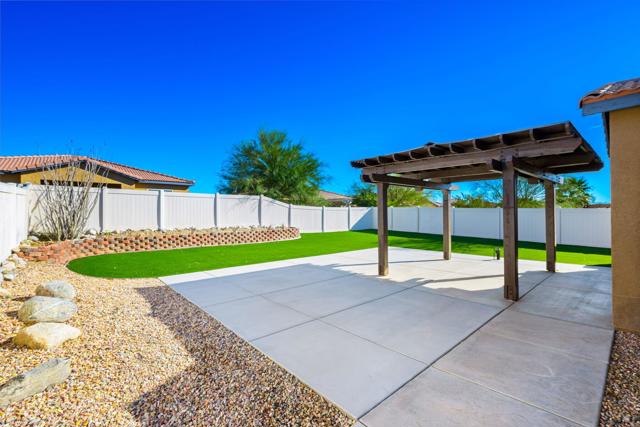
x: 63, y: 252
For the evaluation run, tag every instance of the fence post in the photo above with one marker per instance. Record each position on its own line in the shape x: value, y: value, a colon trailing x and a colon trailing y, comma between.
x: 289, y: 216
x: 103, y: 209
x: 323, y: 220
x: 216, y: 210
x: 260, y: 201
x: 391, y: 224
x: 349, y: 218
x: 161, y: 219
x: 418, y: 219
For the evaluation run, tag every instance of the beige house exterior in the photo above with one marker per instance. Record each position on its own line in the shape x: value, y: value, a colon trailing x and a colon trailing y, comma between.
x: 619, y: 104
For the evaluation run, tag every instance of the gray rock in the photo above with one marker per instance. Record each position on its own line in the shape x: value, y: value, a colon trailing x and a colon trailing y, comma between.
x: 33, y: 238
x: 8, y: 266
x: 46, y: 309
x: 92, y: 232
x: 45, y: 335
x: 5, y: 293
x: 57, y: 289
x: 17, y: 260
x: 34, y: 381
x: 9, y: 276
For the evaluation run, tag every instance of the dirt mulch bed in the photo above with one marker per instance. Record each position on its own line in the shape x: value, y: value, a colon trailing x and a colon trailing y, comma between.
x: 149, y: 357
x: 621, y: 403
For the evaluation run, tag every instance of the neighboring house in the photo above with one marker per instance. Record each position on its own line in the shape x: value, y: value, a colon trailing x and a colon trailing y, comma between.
x: 32, y: 169
x: 619, y: 104
x: 335, y: 199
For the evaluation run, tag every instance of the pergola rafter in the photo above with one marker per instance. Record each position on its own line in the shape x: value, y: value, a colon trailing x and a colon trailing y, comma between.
x: 539, y: 154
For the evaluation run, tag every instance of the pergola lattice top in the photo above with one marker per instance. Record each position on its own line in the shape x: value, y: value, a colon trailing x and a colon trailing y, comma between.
x: 539, y: 152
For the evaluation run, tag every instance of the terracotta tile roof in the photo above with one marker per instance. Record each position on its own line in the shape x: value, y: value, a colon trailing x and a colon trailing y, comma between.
x: 13, y: 164
x: 612, y: 90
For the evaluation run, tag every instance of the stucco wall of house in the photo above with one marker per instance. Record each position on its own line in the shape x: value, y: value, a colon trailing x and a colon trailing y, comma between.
x: 624, y: 137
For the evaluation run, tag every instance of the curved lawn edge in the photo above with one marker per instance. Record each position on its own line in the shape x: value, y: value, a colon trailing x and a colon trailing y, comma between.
x: 179, y: 261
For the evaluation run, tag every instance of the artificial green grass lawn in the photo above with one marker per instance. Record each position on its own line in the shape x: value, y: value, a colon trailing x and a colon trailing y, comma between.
x: 178, y: 261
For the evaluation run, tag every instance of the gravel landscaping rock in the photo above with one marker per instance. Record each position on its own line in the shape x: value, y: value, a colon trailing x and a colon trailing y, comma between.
x: 621, y: 403
x: 9, y: 276
x: 46, y: 309
x: 45, y: 335
x: 57, y: 289
x: 34, y: 381
x: 148, y: 357
x: 4, y: 293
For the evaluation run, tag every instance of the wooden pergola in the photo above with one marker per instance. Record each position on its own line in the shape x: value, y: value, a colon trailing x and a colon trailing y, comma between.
x: 540, y: 154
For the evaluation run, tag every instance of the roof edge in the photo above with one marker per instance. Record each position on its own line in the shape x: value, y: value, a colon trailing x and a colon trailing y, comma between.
x: 595, y: 106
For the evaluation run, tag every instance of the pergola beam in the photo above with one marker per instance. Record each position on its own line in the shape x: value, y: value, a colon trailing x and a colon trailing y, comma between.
x: 406, y: 182
x: 526, y: 169
x: 531, y: 149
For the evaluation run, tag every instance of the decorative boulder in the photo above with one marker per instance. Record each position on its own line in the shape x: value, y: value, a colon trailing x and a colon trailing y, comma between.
x: 57, y: 289
x: 45, y: 335
x: 34, y: 381
x: 19, y: 262
x: 46, y: 309
x: 8, y: 266
x: 33, y: 238
x: 9, y: 276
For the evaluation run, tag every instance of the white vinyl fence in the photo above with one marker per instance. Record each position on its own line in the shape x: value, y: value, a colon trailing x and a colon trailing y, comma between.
x: 164, y: 210
x: 13, y: 217
x: 582, y: 227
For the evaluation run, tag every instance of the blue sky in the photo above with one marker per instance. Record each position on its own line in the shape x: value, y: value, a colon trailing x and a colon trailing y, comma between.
x: 172, y: 86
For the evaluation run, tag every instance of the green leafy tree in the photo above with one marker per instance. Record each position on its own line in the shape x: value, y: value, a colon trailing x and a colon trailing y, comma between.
x: 574, y: 193
x: 469, y: 200
x: 274, y: 166
x: 365, y: 195
x: 529, y: 195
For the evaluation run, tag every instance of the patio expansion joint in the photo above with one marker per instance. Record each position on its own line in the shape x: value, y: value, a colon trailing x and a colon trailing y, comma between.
x: 552, y: 349
x: 253, y: 294
x: 319, y: 318
x: 512, y: 307
x: 509, y: 396
x: 500, y: 311
x: 431, y: 365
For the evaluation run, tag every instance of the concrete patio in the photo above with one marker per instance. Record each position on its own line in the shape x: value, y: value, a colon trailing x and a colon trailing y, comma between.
x: 432, y: 344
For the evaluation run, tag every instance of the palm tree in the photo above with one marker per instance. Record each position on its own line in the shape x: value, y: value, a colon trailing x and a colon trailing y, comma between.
x: 574, y: 193
x: 274, y: 166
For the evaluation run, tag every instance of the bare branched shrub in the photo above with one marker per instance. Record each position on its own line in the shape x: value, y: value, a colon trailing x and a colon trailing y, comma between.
x: 67, y: 200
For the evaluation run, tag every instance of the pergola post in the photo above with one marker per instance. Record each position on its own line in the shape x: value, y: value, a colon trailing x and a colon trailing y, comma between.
x: 510, y: 230
x: 446, y: 224
x: 383, y: 230
x: 550, y: 224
